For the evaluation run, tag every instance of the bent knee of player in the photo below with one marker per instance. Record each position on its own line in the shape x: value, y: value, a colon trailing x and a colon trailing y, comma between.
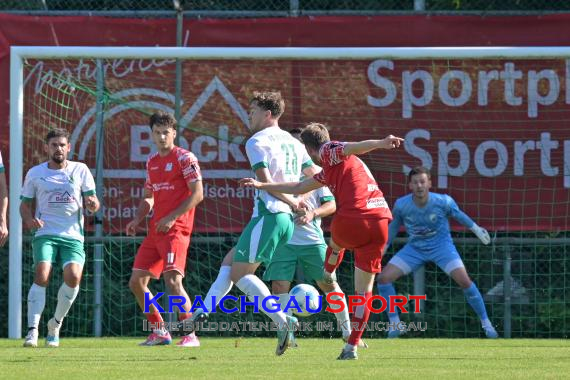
x: 240, y: 270
x: 229, y: 258
x: 43, y: 271
x: 461, y: 277
x: 138, y: 281
x: 327, y: 287
x: 334, y: 245
x: 173, y: 281
x: 72, y: 274
x: 390, y: 274
x: 280, y: 287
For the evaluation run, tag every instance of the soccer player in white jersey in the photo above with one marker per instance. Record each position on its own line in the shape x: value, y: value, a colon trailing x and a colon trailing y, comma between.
x: 59, y: 188
x: 426, y: 218
x: 274, y: 155
x: 3, y: 204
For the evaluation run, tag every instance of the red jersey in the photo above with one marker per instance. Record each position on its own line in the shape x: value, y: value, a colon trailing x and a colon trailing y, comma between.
x: 355, y: 190
x: 167, y: 177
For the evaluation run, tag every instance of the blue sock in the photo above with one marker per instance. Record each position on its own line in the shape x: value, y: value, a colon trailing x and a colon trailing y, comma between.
x: 387, y: 290
x: 474, y: 299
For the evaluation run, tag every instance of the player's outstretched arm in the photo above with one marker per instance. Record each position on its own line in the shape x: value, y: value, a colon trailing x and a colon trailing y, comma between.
x: 144, y: 208
x: 265, y: 178
x: 310, y: 171
x: 307, y: 185
x: 390, y: 142
x: 464, y: 219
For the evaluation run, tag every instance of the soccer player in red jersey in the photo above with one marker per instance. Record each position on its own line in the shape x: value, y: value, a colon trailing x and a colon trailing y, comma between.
x: 362, y: 214
x: 173, y: 188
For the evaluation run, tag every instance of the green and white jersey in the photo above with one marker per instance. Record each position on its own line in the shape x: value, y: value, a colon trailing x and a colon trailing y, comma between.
x: 2, y: 170
x: 285, y: 158
x: 312, y: 233
x: 59, y: 197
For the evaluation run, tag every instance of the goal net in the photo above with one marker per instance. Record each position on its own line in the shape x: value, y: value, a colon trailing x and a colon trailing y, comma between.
x: 491, y: 123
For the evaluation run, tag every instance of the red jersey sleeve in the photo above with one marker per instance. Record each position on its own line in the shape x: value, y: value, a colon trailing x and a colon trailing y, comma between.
x: 190, y: 168
x: 332, y: 153
x: 147, y: 184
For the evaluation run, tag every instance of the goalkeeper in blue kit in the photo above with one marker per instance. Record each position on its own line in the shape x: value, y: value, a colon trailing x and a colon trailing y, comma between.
x: 426, y: 218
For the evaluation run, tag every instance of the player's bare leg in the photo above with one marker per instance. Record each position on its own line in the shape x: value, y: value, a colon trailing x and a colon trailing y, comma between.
x: 66, y: 295
x: 385, y: 281
x: 475, y: 300
x: 363, y: 284
x: 138, y: 284
x: 342, y: 318
x: 173, y: 281
x: 221, y: 287
x: 243, y: 276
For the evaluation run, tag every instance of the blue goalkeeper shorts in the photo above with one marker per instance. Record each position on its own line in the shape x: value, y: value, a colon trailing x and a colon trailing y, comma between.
x: 408, y: 259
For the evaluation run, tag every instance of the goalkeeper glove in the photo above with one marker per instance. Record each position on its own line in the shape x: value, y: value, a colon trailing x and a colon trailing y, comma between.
x: 481, y: 233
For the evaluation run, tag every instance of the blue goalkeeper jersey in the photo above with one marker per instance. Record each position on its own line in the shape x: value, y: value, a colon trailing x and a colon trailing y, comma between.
x: 428, y: 226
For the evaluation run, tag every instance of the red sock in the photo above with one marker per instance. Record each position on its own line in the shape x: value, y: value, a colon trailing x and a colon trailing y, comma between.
x: 155, y: 320
x: 360, y: 317
x: 154, y: 317
x: 333, y: 259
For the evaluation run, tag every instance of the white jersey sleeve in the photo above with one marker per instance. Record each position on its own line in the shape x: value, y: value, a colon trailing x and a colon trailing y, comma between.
x: 257, y: 153
x: 29, y: 189
x: 324, y: 194
x: 87, y: 181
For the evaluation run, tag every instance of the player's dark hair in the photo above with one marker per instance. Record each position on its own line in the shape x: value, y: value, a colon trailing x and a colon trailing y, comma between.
x: 419, y: 170
x: 57, y: 132
x: 269, y: 101
x: 296, y: 131
x: 314, y: 135
x: 163, y: 119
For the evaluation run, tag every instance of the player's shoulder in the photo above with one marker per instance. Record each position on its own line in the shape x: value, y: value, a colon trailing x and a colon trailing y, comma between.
x: 76, y: 165
x: 253, y: 141
x: 440, y: 198
x: 152, y: 156
x: 37, y: 170
x: 32, y: 172
x: 184, y: 154
x: 404, y: 201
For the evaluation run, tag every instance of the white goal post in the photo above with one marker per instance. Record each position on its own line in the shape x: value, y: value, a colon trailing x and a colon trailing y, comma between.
x: 20, y: 53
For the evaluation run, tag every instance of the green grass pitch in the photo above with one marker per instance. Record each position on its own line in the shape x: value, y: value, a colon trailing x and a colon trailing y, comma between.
x: 121, y: 358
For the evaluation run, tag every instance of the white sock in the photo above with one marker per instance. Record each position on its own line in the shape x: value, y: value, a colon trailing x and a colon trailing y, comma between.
x: 342, y: 318
x: 219, y: 288
x: 349, y: 347
x: 36, y: 304
x: 252, y: 286
x: 65, y: 298
x: 283, y: 301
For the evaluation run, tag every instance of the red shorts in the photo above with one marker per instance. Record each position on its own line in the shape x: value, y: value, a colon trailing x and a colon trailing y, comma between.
x: 163, y: 253
x: 365, y: 237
